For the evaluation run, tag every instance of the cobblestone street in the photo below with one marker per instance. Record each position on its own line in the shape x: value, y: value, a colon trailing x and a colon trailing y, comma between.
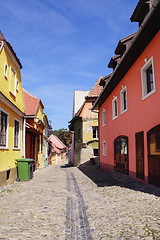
x: 85, y: 203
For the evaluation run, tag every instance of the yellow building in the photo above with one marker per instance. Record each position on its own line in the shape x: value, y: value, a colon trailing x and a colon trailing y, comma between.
x: 34, y: 128
x: 85, y: 126
x: 11, y: 112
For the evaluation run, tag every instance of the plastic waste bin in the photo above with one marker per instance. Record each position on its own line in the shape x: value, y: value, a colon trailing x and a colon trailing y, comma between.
x: 25, y: 168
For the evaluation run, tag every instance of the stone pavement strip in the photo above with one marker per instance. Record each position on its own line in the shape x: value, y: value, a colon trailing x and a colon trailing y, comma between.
x: 84, y: 203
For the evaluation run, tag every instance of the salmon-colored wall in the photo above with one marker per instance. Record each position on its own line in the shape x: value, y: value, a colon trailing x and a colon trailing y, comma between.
x: 142, y: 115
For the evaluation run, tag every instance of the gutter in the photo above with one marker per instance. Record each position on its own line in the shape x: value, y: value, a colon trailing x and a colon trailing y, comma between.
x: 133, y: 42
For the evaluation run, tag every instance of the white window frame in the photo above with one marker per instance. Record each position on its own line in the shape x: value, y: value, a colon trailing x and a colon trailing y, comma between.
x: 7, y: 131
x: 16, y: 148
x: 103, y: 117
x: 15, y: 80
x: 104, y: 148
x: 143, y: 79
x: 6, y: 71
x: 113, y: 108
x: 122, y: 100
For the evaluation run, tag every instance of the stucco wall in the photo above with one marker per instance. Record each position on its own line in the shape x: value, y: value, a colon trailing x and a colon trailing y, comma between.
x: 142, y: 115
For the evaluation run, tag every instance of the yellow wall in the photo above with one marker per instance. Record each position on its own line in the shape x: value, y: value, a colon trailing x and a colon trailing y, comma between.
x: 39, y: 115
x: 53, y: 158
x: 6, y: 84
x: 87, y: 129
x: 8, y: 156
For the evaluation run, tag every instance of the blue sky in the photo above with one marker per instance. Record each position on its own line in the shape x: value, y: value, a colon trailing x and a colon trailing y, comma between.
x: 64, y: 45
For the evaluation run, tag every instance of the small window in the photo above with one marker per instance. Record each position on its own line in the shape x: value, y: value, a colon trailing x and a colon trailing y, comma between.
x: 13, y: 81
x: 93, y: 102
x: 16, y: 133
x: 95, y: 131
x: 104, y: 148
x: 148, y: 81
x: 123, y: 95
x: 17, y: 85
x: 3, y: 129
x: 103, y: 117
x: 114, y: 108
x: 6, y: 70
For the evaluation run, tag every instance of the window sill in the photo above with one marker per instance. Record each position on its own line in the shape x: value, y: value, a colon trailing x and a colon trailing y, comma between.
x: 4, y: 148
x: 148, y: 94
x: 115, y: 117
x: 12, y: 94
x: 124, y: 111
x: 16, y: 149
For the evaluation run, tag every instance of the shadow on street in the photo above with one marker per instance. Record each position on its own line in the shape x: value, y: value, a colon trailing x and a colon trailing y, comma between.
x: 106, y: 179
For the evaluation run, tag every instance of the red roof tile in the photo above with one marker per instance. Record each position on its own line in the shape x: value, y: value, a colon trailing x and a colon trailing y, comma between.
x: 30, y: 103
x: 96, y: 89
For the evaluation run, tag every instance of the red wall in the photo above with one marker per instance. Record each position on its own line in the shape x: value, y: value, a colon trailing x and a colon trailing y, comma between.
x: 142, y: 115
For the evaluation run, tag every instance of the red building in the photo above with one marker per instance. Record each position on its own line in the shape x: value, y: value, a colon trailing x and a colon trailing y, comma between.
x: 129, y: 116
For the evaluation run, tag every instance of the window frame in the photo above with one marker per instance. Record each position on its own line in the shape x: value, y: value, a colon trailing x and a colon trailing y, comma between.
x: 6, y: 71
x: 16, y: 147
x: 103, y: 117
x: 104, y: 148
x: 113, y: 108
x: 15, y: 81
x: 7, y: 129
x: 145, y: 67
x: 96, y: 132
x: 122, y: 100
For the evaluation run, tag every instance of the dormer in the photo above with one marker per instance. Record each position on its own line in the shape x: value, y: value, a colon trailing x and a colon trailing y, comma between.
x: 114, y: 61
x: 124, y: 44
x: 141, y: 10
x: 104, y: 81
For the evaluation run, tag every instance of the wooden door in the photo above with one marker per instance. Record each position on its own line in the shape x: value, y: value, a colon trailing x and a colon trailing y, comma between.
x: 139, y: 137
x: 121, y: 160
x: 153, y: 138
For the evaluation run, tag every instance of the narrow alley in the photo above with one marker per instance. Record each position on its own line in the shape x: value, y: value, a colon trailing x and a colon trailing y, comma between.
x: 84, y: 203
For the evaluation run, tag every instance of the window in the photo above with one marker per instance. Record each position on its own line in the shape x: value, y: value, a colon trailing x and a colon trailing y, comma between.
x: 114, y: 108
x: 95, y: 152
x: 93, y: 102
x: 95, y: 131
x: 13, y: 81
x: 16, y: 133
x: 104, y: 148
x: 3, y: 128
x: 123, y: 95
x: 148, y: 81
x: 103, y: 117
x: 17, y: 85
x: 6, y: 70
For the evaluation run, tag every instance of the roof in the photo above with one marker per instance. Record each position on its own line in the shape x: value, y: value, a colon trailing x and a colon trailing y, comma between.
x: 2, y: 39
x: 30, y: 103
x: 145, y: 34
x: 57, y: 143
x: 96, y: 89
x: 140, y: 11
x: 94, y: 93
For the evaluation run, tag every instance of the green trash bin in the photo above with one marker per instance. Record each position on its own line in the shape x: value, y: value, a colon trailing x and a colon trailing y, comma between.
x: 24, y: 168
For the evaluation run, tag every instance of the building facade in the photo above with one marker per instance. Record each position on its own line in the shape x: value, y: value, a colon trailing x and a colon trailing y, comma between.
x: 12, y: 139
x: 129, y: 119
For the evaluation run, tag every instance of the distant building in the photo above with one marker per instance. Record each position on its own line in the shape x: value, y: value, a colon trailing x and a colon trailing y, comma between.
x: 84, y: 124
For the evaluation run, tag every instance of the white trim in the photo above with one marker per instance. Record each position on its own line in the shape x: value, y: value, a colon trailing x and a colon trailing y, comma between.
x: 23, y: 137
x: 103, y: 117
x: 104, y: 148
x: 10, y: 105
x: 143, y: 79
x: 11, y: 55
x: 1, y: 46
x: 113, y: 108
x: 16, y: 148
x: 12, y: 70
x: 7, y: 131
x: 121, y: 97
